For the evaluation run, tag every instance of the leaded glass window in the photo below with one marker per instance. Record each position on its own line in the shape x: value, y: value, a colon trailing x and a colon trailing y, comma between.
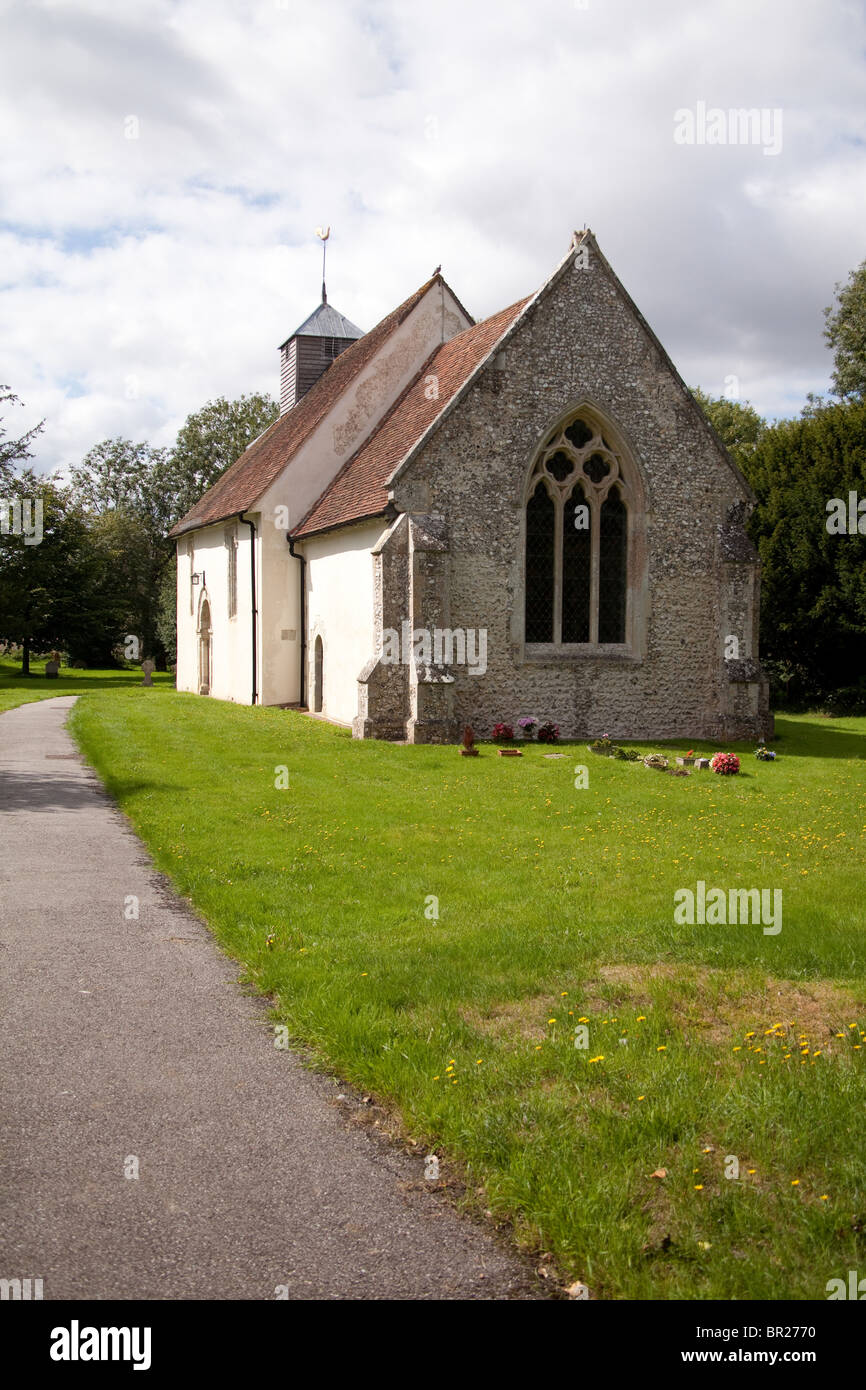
x: 577, y: 539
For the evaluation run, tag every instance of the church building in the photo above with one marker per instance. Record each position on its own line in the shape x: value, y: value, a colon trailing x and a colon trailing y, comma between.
x: 458, y: 523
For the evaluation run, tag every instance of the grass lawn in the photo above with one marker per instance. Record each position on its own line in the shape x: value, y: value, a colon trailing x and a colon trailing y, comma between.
x: 708, y: 1046
x: 16, y: 689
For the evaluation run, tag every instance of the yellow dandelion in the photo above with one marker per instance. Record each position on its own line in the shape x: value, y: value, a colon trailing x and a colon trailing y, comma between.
x: 738, y: 1049
x: 795, y: 1182
x: 641, y: 1097
x: 699, y: 1187
x: 663, y: 1048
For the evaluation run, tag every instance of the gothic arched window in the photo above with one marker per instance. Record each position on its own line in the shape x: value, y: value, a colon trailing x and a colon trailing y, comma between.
x: 577, y: 539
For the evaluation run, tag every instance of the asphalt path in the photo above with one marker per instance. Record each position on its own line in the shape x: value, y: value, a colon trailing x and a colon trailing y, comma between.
x: 128, y: 1044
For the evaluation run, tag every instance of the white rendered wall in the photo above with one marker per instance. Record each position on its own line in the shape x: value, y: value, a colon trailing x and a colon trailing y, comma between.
x: 279, y: 609
x: 231, y: 655
x: 340, y: 611
x: 434, y: 320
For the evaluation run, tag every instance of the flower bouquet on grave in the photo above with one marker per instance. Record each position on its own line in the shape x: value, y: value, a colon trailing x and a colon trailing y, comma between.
x: 467, y: 748
x: 727, y: 764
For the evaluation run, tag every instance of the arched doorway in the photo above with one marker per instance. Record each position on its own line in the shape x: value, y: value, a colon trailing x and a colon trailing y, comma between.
x: 204, y: 650
x: 318, y: 671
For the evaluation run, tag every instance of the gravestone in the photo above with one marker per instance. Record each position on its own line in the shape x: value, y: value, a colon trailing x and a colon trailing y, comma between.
x: 51, y: 670
x: 148, y: 669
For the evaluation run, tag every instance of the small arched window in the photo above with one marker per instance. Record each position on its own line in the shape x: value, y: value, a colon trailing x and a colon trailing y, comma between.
x: 578, y: 509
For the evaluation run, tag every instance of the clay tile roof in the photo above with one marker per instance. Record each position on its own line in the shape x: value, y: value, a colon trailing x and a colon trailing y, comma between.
x: 264, y: 460
x: 359, y: 491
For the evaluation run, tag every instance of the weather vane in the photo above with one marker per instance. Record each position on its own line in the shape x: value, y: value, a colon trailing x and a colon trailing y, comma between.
x: 323, y: 238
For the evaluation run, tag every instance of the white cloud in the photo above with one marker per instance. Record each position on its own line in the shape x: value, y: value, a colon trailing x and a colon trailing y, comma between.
x: 141, y: 276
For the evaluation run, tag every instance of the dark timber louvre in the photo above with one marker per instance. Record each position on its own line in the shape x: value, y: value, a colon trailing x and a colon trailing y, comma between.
x: 310, y: 351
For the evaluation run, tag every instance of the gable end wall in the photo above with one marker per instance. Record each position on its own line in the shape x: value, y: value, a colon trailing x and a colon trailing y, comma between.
x: 583, y: 343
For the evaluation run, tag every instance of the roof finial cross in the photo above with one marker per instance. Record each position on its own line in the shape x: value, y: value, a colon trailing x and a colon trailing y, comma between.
x: 323, y: 237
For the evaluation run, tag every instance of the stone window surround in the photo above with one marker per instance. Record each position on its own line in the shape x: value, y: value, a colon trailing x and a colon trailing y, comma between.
x: 230, y: 535
x: 633, y: 491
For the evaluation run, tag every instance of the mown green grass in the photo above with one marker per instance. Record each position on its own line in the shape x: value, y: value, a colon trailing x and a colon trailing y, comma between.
x: 553, y: 904
x: 16, y: 689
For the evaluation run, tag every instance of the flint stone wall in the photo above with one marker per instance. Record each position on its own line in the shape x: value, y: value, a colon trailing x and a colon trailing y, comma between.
x: 583, y: 343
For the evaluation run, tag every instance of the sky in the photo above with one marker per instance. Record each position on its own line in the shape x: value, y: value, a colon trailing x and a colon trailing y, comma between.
x: 164, y: 165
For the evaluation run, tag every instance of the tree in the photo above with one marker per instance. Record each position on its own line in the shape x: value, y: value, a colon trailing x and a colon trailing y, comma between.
x: 133, y: 494
x: 125, y: 489
x: 115, y: 475
x: 166, y: 618
x: 57, y: 592
x: 845, y: 331
x: 813, y: 587
x: 738, y: 424
x: 209, y: 442
x: 14, y: 451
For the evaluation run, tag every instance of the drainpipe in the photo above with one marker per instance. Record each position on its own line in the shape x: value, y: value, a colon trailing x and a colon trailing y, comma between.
x: 303, y: 619
x: 254, y: 611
